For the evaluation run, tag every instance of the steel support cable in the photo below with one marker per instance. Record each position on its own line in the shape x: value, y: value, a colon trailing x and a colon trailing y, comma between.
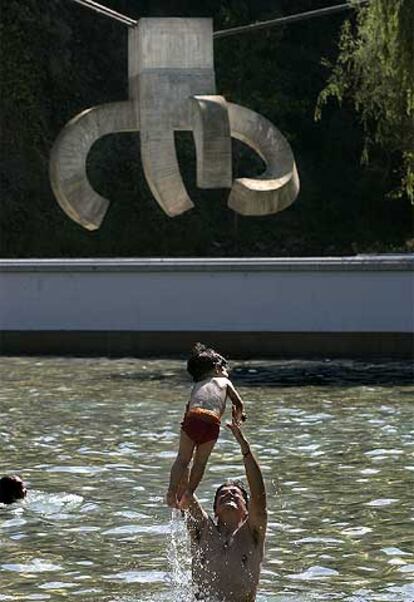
x: 108, y: 12
x: 320, y: 12
x: 289, y: 19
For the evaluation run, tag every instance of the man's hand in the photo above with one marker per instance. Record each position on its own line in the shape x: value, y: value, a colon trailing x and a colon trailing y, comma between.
x: 238, y: 415
x: 234, y: 427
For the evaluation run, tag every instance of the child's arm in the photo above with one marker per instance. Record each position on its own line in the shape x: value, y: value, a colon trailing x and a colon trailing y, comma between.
x: 187, y: 407
x: 238, y: 405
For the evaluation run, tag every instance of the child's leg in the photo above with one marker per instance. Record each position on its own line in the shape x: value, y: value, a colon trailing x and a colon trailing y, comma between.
x: 183, y: 485
x: 185, y: 452
x: 201, y: 456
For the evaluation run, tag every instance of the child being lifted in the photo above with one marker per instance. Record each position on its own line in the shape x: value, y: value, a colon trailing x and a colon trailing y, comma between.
x: 201, y: 425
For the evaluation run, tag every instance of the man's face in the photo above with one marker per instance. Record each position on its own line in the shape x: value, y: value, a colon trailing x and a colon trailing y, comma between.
x: 230, y: 499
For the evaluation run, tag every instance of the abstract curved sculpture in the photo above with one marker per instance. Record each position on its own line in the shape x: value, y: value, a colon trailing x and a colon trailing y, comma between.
x: 278, y: 186
x: 68, y: 176
x: 172, y: 88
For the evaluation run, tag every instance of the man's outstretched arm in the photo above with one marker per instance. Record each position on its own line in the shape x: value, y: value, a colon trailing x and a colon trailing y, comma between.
x: 197, y: 518
x: 258, y: 505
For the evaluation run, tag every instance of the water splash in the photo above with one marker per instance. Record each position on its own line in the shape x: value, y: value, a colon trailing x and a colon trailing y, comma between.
x: 179, y: 555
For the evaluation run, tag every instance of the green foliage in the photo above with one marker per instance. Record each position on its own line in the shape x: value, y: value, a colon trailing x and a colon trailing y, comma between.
x: 375, y: 71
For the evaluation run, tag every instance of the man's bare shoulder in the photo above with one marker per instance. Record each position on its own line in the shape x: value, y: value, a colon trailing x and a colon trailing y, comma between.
x: 253, y: 531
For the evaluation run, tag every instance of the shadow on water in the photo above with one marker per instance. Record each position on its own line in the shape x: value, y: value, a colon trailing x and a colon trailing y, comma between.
x: 330, y: 373
x: 295, y: 373
x: 178, y: 376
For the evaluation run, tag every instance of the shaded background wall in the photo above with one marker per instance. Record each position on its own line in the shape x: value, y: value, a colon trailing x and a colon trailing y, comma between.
x: 59, y: 58
x: 336, y: 307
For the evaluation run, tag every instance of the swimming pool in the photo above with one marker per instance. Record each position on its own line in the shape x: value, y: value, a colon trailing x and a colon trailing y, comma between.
x: 95, y: 439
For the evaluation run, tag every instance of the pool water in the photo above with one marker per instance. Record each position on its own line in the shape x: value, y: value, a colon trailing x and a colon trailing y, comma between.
x: 95, y: 439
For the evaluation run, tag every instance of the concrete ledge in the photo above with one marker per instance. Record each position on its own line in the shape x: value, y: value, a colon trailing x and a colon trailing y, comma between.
x: 235, y: 344
x: 398, y: 263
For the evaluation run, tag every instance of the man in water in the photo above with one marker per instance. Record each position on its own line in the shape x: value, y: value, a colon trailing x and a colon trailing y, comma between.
x: 227, y: 554
x: 12, y: 489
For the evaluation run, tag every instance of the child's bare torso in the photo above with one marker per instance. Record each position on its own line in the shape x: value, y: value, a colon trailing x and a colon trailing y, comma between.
x: 210, y: 394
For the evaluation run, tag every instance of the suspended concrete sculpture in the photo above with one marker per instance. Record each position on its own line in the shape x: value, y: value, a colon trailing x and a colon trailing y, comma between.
x: 172, y: 88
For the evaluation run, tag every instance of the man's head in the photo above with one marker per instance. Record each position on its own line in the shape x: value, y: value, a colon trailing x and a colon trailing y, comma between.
x: 204, y: 360
x: 12, y: 488
x: 231, y: 497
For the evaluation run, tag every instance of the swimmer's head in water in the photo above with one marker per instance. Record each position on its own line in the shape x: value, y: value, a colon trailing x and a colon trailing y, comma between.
x: 12, y: 488
x: 231, y: 492
x: 204, y: 360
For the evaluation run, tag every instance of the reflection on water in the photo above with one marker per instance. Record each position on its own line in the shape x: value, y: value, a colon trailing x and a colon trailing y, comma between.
x: 95, y: 439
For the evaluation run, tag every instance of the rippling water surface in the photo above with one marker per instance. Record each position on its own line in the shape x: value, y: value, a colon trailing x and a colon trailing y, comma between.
x: 95, y: 439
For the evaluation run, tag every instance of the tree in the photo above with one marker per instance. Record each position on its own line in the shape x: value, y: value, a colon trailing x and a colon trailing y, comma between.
x: 375, y: 72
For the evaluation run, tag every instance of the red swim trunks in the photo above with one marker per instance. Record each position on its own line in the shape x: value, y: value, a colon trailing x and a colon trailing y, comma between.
x: 201, y: 425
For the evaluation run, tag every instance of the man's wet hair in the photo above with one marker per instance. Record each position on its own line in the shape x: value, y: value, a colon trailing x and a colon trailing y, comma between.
x: 12, y: 489
x: 232, y: 483
x: 203, y: 360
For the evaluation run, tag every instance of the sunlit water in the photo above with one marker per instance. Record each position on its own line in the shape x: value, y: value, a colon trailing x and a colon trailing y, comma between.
x: 95, y: 439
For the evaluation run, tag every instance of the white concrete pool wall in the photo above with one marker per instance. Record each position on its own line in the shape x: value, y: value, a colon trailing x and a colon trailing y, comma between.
x: 347, y: 306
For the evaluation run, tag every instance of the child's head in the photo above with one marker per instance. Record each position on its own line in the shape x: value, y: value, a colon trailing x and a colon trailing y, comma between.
x: 203, y: 361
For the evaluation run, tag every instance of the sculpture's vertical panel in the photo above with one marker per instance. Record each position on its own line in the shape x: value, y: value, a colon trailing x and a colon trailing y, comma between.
x: 174, y: 61
x: 212, y: 137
